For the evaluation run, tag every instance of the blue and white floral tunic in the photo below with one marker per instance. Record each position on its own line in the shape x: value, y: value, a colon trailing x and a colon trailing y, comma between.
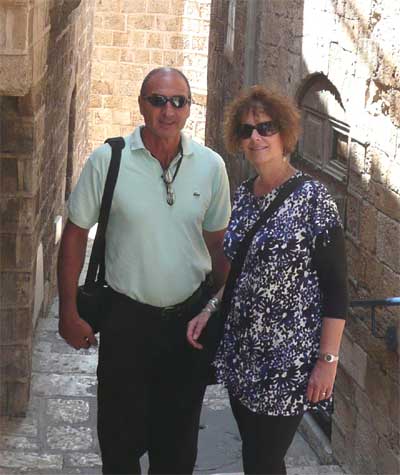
x: 271, y: 337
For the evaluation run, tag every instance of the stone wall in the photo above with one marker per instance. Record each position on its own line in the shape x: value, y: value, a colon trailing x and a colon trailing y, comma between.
x: 130, y: 39
x: 45, y: 50
x: 352, y: 47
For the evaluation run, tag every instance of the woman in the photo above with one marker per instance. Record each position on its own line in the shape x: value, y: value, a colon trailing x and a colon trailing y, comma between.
x: 279, y: 351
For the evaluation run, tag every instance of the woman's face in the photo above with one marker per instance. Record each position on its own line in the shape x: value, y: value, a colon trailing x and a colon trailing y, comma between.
x: 258, y: 149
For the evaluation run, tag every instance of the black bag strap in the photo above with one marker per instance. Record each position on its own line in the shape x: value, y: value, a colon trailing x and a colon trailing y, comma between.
x: 240, y: 256
x: 96, y: 269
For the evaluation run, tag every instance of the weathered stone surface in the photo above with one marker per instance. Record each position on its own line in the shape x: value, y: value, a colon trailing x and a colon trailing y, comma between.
x: 69, y: 438
x: 83, y: 460
x: 18, y: 443
x: 70, y: 410
x: 63, y: 385
x: 30, y: 461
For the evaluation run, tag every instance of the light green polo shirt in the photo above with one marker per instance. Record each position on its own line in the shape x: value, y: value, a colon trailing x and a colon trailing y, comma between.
x: 155, y: 253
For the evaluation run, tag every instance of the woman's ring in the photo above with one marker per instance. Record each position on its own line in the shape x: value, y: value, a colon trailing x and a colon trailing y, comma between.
x: 324, y: 394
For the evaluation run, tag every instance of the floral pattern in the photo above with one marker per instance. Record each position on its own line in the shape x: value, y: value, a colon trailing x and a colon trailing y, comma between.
x: 271, y: 337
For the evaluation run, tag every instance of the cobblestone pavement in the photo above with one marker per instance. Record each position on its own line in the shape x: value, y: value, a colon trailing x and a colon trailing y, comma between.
x: 58, y: 433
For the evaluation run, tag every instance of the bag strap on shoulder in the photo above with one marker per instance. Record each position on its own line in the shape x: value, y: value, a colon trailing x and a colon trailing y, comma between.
x: 240, y: 256
x: 97, y: 262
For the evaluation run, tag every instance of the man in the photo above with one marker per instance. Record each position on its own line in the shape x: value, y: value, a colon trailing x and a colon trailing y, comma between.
x: 168, y: 217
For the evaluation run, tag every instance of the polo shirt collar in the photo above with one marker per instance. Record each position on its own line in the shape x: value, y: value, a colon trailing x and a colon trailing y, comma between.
x: 136, y: 142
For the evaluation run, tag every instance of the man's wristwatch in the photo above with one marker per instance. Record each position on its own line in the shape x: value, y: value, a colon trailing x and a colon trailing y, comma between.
x: 328, y: 357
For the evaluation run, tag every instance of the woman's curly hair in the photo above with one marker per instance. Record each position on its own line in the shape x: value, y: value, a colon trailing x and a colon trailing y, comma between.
x: 258, y: 99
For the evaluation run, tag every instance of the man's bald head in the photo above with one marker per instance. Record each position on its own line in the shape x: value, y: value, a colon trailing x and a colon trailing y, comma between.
x: 162, y: 71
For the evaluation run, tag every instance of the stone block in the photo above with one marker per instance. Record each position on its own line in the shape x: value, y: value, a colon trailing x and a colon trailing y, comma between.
x: 353, y: 215
x: 15, y: 324
x: 354, y: 360
x: 114, y: 21
x: 16, y: 287
x: 390, y: 282
x: 154, y: 40
x: 14, y: 29
x: 50, y: 385
x: 142, y: 22
x: 128, y: 88
x: 342, y: 445
x: 157, y: 6
x: 102, y: 87
x: 103, y: 37
x: 70, y: 411
x: 173, y: 23
x: 120, y: 38
x: 33, y: 461
x: 379, y: 423
x: 393, y: 178
x: 110, y: 54
x: 14, y: 398
x: 131, y: 72
x: 156, y: 58
x: 138, y: 6
x: 16, y: 251
x: 84, y: 460
x: 95, y: 101
x: 344, y: 414
x: 388, y: 456
x: 113, y: 102
x: 387, y: 251
x: 200, y: 43
x: 102, y: 116
x: 15, y: 363
x: 127, y: 55
x: 130, y: 103
x: 379, y: 164
x: 69, y: 438
x: 142, y: 56
x: 137, y: 39
x: 121, y: 117
x: 170, y: 58
x: 15, y: 75
x: 16, y: 134
x: 382, y: 391
x: 373, y: 276
x: 385, y: 200
x: 368, y: 227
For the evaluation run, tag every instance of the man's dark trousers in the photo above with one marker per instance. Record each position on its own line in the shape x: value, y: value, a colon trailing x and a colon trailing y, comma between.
x: 149, y: 395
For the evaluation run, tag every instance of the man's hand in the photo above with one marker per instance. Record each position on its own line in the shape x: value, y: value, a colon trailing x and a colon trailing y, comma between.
x: 195, y: 328
x: 76, y: 332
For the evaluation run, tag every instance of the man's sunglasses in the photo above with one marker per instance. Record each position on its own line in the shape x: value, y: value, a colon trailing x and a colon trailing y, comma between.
x: 158, y: 100
x: 266, y: 129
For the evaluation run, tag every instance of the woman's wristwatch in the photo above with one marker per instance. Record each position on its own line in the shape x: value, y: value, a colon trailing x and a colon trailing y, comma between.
x: 212, y: 305
x: 328, y: 357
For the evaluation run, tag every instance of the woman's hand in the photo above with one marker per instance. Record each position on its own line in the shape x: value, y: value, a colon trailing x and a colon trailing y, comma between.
x: 195, y: 327
x: 322, y: 379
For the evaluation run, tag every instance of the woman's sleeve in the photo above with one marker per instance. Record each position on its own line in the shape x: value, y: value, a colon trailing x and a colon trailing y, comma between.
x: 329, y: 260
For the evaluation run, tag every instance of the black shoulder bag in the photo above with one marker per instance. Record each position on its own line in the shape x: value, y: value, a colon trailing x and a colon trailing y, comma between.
x: 212, y: 334
x: 91, y: 297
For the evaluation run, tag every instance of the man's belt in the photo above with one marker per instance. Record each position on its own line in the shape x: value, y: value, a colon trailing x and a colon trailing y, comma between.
x: 173, y: 311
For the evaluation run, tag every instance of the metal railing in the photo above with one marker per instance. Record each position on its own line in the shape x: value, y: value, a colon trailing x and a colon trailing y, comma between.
x: 390, y: 335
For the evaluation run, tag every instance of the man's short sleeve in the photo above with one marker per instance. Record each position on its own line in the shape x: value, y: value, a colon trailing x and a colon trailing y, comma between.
x: 85, y: 200
x: 219, y: 211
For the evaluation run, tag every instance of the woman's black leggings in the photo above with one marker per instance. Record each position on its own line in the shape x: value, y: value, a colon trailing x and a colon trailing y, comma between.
x: 265, y: 439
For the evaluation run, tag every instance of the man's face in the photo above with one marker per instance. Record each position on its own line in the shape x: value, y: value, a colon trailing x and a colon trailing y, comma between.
x: 166, y: 121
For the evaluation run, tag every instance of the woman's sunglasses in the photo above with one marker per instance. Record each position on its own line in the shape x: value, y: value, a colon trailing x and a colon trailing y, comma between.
x: 158, y: 100
x: 266, y: 129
